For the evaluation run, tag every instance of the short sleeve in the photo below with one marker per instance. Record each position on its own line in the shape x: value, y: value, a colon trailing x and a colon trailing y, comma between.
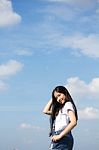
x: 68, y: 106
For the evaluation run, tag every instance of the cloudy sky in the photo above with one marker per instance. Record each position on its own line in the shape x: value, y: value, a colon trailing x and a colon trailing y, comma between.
x: 45, y: 43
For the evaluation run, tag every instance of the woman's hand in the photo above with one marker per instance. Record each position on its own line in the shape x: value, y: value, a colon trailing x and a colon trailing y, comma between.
x: 55, y: 138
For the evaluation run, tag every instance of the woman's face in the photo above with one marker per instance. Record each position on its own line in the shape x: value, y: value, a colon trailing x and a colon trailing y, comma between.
x: 60, y: 97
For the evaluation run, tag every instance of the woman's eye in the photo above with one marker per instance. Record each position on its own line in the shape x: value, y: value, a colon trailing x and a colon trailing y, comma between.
x: 58, y: 96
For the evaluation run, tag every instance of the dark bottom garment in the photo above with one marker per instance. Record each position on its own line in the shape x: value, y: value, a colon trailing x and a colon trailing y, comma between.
x: 65, y: 143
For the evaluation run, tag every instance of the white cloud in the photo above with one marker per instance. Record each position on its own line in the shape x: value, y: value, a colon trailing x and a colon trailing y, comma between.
x: 97, y: 11
x: 80, y: 4
x: 62, y: 12
x: 25, y: 126
x: 87, y: 45
x: 81, y: 90
x: 29, y: 126
x: 24, y: 52
x: 16, y: 108
x: 72, y: 10
x: 57, y: 0
x: 10, y: 68
x: 3, y: 86
x: 89, y: 113
x: 83, y: 3
x: 80, y: 44
x: 7, y: 15
x: 94, y: 86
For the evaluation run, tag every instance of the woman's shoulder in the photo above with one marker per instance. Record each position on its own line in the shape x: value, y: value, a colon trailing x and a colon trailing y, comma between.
x: 68, y: 105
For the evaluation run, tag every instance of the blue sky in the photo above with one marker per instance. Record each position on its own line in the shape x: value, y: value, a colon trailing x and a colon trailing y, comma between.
x: 45, y: 43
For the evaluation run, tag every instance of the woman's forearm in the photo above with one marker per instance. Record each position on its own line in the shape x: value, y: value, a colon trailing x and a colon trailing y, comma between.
x: 71, y: 125
x: 68, y: 129
x: 47, y: 108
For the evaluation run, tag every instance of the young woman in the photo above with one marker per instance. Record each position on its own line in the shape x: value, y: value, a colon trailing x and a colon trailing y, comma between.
x: 63, y: 119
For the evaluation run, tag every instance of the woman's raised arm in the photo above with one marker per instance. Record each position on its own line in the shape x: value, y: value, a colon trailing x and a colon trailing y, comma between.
x: 47, y: 109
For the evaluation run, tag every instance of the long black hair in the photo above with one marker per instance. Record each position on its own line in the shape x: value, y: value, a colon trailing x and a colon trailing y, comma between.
x: 57, y: 106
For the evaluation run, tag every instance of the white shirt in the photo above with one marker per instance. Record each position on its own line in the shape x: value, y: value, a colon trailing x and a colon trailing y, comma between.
x: 62, y: 119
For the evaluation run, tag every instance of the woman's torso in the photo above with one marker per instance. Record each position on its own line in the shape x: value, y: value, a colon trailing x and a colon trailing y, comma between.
x: 62, y: 119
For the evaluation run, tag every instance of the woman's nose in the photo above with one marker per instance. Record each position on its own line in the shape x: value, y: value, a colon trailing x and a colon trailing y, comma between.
x: 58, y: 99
